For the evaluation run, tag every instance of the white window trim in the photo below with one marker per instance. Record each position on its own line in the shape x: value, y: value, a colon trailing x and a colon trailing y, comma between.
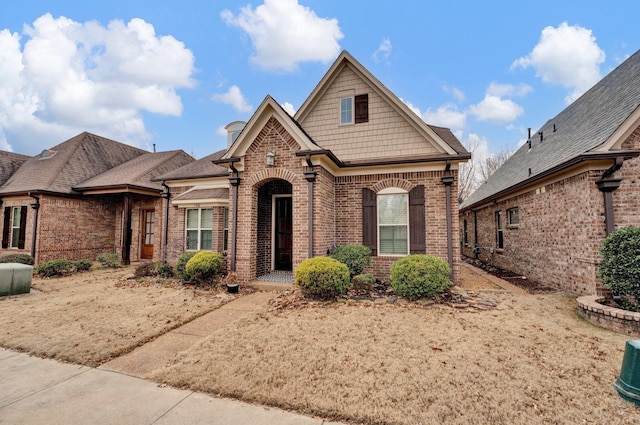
x: 198, y: 229
x: 13, y: 227
x: 352, y: 121
x: 392, y: 191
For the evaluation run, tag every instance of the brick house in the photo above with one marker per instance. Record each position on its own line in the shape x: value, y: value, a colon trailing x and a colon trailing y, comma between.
x: 545, y: 213
x: 74, y: 200
x: 354, y: 166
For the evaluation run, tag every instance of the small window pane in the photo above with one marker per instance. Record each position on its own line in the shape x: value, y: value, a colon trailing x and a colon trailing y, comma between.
x: 514, y: 217
x: 205, y: 239
x: 16, y: 217
x: 393, y: 240
x: 392, y: 209
x: 206, y: 219
x: 192, y: 219
x: 192, y: 239
x: 346, y: 110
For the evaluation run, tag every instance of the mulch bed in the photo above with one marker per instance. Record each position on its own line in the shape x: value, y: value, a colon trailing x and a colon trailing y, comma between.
x: 530, y: 285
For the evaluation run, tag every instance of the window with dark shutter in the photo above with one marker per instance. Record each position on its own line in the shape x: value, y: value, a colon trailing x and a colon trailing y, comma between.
x: 23, y: 227
x: 362, y: 108
x: 417, y: 237
x: 6, y: 229
x: 369, y: 221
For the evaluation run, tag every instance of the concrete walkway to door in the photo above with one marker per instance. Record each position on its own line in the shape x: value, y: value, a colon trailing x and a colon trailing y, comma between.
x: 155, y: 355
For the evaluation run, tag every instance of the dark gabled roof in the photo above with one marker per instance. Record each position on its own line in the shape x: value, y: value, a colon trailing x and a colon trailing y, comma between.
x: 446, y: 135
x: 580, y: 128
x: 138, y: 172
x: 218, y: 193
x: 10, y: 163
x: 202, y: 168
x: 59, y: 169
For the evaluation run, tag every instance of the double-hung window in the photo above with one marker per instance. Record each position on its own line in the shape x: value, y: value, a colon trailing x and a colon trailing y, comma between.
x: 225, y: 235
x: 499, y: 231
x: 393, y: 222
x: 346, y: 110
x: 14, y: 228
x: 199, y: 229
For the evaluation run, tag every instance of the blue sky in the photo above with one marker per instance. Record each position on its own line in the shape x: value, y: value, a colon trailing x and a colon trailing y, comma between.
x: 174, y: 72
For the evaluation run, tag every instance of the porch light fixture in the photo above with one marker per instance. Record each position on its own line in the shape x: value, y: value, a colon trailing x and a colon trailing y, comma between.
x: 271, y: 157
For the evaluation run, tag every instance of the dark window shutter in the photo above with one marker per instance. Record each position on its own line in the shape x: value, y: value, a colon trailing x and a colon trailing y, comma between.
x: 23, y: 225
x: 369, y: 221
x: 417, y: 244
x: 6, y: 230
x: 362, y: 108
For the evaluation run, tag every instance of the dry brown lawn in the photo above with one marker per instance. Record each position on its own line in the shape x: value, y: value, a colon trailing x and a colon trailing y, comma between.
x: 530, y: 360
x: 91, y: 317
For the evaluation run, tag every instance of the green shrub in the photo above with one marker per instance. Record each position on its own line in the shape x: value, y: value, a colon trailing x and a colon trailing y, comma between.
x: 180, y: 266
x: 165, y: 270
x: 204, y: 266
x: 82, y: 265
x: 145, y: 269
x: 416, y: 276
x: 322, y: 278
x: 620, y: 266
x: 356, y: 257
x: 51, y: 268
x: 18, y: 258
x: 363, y: 283
x: 109, y: 259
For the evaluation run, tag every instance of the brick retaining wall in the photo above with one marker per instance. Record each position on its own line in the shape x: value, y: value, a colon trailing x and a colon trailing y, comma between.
x: 615, y: 319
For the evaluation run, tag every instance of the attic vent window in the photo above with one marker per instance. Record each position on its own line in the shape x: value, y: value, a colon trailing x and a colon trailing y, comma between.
x: 354, y: 109
x: 362, y: 108
x: 46, y: 154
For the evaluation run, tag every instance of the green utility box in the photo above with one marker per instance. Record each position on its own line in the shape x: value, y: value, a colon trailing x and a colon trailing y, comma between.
x: 628, y: 383
x: 15, y: 278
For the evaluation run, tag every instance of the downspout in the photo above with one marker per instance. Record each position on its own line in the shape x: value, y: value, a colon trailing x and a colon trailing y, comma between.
x: 607, y: 185
x: 36, y: 207
x: 476, y: 247
x: 166, y: 195
x: 448, y: 179
x: 235, y: 182
x: 310, y: 176
x: 126, y: 231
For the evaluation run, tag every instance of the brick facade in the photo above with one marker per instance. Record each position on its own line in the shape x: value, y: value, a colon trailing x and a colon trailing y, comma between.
x: 561, y: 227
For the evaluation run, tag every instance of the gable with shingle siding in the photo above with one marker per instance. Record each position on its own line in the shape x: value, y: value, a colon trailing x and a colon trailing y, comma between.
x: 386, y: 134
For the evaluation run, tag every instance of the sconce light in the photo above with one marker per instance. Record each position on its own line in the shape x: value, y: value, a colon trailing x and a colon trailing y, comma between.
x: 271, y: 157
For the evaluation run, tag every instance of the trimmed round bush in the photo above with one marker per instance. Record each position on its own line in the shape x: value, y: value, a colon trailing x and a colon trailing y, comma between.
x: 52, y: 268
x: 322, y: 278
x: 109, y: 259
x: 204, y: 266
x: 82, y: 265
x: 18, y: 258
x: 363, y: 283
x: 418, y: 275
x: 181, y: 264
x: 356, y: 257
x: 620, y: 266
x: 145, y: 270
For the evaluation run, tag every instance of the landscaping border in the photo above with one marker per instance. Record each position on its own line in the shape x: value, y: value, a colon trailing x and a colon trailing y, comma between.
x: 615, y: 319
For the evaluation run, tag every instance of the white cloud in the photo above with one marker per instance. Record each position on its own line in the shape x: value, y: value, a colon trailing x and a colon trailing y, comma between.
x: 233, y: 97
x: 411, y: 106
x: 446, y: 116
x: 383, y: 52
x: 289, y: 108
x: 70, y: 77
x: 285, y: 33
x: 494, y: 108
x: 566, y: 55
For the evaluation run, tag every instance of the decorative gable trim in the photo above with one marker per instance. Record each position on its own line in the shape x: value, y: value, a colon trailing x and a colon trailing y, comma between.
x: 268, y: 108
x: 345, y: 59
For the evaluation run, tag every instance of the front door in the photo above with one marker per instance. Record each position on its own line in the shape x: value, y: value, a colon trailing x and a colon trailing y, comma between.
x: 283, y: 233
x: 148, y: 228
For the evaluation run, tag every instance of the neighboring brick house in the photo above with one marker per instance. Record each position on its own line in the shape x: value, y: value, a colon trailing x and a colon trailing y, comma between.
x: 354, y: 166
x: 545, y: 213
x: 73, y: 200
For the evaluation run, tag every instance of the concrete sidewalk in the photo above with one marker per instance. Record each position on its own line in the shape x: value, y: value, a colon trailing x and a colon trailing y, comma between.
x: 44, y: 391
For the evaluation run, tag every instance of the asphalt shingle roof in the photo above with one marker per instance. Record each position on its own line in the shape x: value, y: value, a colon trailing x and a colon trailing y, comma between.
x: 203, y: 167
x: 68, y: 164
x: 195, y: 194
x: 10, y: 163
x: 581, y: 127
x: 139, y: 171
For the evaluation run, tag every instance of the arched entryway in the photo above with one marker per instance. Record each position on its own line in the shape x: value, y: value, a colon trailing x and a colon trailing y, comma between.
x: 274, y: 250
